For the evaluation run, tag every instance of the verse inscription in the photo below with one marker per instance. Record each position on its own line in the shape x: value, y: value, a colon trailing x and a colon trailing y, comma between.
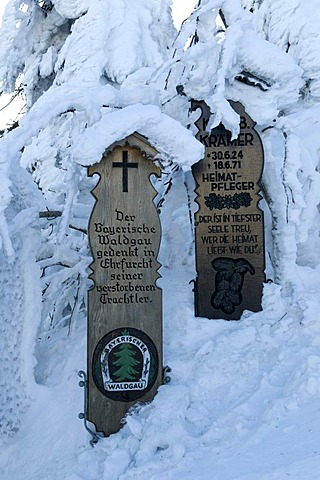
x: 229, y: 224
x: 124, y: 304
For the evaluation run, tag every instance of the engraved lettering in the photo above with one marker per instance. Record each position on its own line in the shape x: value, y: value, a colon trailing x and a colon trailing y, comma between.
x: 229, y: 222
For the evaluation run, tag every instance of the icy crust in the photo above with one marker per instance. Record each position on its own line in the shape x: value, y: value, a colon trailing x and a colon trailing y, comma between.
x: 94, y: 47
x: 302, y: 180
x: 13, y: 398
x: 276, y: 66
x: 79, y: 41
x: 173, y: 142
x: 291, y: 185
x: 294, y: 27
x: 72, y: 8
x: 20, y: 308
x: 112, y: 42
x: 218, y: 55
x: 94, y: 107
x: 26, y: 35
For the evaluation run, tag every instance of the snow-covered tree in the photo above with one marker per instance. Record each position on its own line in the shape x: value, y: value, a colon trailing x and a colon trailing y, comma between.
x: 86, y: 71
x: 95, y: 71
x: 265, y: 55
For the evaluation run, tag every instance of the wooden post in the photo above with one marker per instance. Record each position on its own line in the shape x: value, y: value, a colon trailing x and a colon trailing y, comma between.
x: 124, y: 305
x: 229, y: 227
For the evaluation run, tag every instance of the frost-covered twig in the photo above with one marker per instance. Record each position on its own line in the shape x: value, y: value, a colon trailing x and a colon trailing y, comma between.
x: 50, y: 214
x: 253, y: 80
x: 74, y: 305
x: 14, y: 96
x: 45, y: 5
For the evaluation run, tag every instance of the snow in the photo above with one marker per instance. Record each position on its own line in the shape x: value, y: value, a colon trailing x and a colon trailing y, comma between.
x: 243, y: 402
x: 173, y: 142
x: 293, y: 26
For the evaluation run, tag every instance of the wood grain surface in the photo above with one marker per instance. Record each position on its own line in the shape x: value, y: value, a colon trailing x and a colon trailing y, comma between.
x: 229, y: 227
x: 124, y: 236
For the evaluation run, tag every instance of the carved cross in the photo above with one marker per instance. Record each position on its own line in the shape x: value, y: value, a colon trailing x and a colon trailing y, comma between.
x: 125, y: 165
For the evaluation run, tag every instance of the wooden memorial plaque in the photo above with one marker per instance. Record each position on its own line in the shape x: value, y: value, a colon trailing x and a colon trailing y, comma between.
x: 229, y: 228
x: 124, y: 305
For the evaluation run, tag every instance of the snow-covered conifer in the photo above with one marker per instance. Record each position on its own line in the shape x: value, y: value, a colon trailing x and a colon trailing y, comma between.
x: 80, y: 64
x: 95, y: 71
x: 265, y: 55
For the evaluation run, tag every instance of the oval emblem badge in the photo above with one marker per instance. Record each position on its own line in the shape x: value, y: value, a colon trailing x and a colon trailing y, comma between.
x: 125, y: 364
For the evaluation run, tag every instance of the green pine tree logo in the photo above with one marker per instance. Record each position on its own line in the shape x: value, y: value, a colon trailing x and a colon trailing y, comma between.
x: 126, y: 362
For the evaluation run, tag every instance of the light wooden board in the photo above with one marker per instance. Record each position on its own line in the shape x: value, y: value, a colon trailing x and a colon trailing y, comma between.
x: 124, y: 305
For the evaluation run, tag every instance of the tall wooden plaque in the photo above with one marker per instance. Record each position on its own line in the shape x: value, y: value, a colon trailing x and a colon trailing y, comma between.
x: 124, y: 305
x: 229, y: 229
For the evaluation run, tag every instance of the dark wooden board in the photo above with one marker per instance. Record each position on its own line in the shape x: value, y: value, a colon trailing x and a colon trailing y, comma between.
x: 229, y: 227
x: 124, y: 305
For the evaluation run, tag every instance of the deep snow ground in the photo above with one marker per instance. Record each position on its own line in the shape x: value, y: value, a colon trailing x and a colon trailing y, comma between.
x: 243, y: 403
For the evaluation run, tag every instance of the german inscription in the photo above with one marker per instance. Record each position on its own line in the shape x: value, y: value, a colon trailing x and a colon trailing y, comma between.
x: 229, y: 227
x: 124, y: 304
